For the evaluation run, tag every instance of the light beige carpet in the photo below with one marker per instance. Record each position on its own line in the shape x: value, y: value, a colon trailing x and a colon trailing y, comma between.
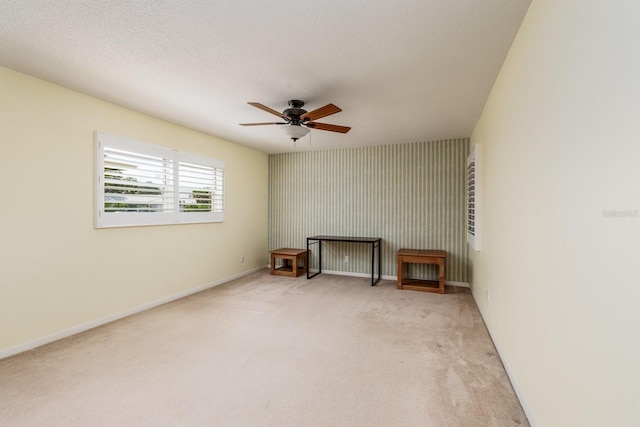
x: 272, y: 351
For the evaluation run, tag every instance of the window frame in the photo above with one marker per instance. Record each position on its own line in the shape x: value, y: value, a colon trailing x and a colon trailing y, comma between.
x: 174, y: 214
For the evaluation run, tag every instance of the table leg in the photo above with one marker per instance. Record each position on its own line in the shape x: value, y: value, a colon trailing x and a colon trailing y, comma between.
x: 379, y: 260
x: 273, y: 266
x: 319, y: 243
x: 309, y: 276
x: 373, y: 259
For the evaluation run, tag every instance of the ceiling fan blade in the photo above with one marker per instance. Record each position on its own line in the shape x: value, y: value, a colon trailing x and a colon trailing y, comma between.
x: 321, y: 112
x: 265, y: 108
x: 326, y: 126
x: 265, y: 123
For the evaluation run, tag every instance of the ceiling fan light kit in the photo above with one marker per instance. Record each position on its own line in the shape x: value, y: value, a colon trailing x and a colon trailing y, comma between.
x: 300, y: 121
x: 296, y: 132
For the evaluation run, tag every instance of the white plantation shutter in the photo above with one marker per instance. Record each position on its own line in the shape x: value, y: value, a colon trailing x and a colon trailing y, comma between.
x: 473, y: 197
x: 201, y: 188
x: 146, y: 184
x: 137, y: 183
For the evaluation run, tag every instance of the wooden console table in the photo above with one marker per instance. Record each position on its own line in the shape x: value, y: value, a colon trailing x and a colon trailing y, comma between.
x: 373, y: 241
x: 417, y: 256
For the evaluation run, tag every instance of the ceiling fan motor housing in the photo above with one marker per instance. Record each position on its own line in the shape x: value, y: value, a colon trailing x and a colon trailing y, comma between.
x: 295, y: 112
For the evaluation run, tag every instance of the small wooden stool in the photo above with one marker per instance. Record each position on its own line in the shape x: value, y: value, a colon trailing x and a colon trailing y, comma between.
x: 294, y: 262
x: 416, y: 256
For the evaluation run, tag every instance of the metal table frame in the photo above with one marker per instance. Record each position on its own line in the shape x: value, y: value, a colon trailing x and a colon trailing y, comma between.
x: 373, y: 241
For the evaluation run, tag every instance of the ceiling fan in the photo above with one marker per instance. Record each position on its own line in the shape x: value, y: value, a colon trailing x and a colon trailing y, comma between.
x: 299, y: 120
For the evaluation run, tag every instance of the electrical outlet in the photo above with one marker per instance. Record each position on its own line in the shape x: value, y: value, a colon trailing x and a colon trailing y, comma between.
x: 242, y: 258
x: 346, y: 258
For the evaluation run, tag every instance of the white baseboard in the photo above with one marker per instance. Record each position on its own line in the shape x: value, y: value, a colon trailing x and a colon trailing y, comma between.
x: 512, y: 377
x: 11, y: 351
x: 348, y: 273
x: 395, y: 278
x: 458, y: 284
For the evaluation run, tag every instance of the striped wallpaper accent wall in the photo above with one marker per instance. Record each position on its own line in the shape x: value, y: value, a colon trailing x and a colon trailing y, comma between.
x: 410, y: 195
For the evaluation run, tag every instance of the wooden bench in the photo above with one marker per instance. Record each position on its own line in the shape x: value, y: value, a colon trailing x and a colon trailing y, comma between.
x: 294, y: 262
x: 418, y: 256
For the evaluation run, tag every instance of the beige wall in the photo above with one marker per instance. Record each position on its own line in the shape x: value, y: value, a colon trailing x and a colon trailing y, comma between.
x: 561, y: 146
x: 57, y: 270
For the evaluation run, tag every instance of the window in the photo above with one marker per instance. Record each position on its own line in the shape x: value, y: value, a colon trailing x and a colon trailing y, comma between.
x: 473, y: 197
x: 146, y: 184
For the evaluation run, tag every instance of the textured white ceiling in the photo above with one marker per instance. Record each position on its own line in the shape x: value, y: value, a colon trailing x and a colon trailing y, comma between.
x: 402, y: 71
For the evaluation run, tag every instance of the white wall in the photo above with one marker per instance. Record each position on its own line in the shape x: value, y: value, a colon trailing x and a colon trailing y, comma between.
x: 57, y: 270
x: 561, y: 145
